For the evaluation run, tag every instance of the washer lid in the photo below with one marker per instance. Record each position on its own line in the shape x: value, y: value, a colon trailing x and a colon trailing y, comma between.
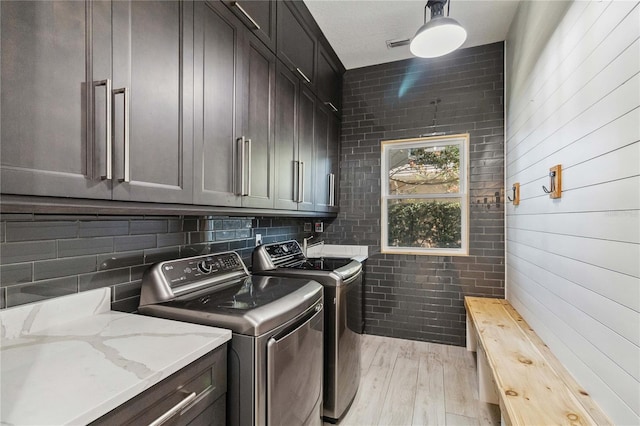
x: 250, y: 306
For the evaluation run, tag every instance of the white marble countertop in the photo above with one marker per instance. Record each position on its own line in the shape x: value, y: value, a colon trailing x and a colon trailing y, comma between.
x: 71, y: 359
x: 359, y: 253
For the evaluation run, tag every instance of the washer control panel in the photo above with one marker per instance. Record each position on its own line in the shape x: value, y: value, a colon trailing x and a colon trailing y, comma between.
x: 182, y: 272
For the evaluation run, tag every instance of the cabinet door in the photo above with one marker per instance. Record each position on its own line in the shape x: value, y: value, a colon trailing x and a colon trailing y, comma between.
x: 333, y: 163
x: 296, y: 43
x: 286, y: 146
x: 46, y: 142
x: 322, y: 159
x: 259, y: 110
x: 329, y: 80
x: 153, y: 140
x: 259, y: 16
x: 306, y: 179
x: 218, y: 105
x: 327, y: 144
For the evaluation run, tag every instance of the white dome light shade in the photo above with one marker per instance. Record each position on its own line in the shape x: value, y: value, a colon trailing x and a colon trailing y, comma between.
x: 438, y: 37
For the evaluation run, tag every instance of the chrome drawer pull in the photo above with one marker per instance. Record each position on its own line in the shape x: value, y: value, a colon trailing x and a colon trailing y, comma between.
x: 244, y: 12
x: 172, y: 411
x: 303, y: 76
x: 332, y: 106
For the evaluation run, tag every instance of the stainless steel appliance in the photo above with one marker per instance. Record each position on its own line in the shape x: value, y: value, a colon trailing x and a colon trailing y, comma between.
x: 342, y: 281
x: 275, y: 355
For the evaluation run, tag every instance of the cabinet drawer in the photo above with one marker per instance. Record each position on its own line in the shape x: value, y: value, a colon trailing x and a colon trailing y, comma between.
x: 205, y: 377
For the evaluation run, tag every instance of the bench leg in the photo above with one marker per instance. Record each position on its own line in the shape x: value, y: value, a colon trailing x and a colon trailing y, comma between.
x: 472, y: 342
x: 487, y: 391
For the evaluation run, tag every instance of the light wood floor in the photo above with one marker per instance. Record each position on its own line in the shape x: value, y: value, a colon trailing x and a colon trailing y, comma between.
x: 404, y: 382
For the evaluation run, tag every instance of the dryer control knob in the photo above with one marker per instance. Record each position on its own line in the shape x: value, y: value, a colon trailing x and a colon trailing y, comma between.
x: 204, y: 267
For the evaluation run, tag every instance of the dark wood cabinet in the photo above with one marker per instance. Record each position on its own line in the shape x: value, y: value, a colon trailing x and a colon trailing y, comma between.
x: 259, y: 16
x: 234, y: 102
x: 327, y: 134
x: 167, y: 102
x: 295, y: 143
x: 286, y: 141
x: 218, y: 105
x: 259, y: 122
x: 46, y: 133
x: 200, y: 387
x: 296, y: 43
x: 96, y: 99
x: 153, y: 66
x: 306, y: 139
x: 329, y: 77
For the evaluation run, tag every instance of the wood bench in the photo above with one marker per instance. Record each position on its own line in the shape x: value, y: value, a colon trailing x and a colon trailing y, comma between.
x: 517, y: 371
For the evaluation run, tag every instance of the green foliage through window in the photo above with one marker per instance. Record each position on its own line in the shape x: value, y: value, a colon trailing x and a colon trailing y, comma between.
x: 424, y: 196
x: 428, y: 224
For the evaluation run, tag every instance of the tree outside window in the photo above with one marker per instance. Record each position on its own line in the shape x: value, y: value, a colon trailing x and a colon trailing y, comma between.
x: 424, y: 195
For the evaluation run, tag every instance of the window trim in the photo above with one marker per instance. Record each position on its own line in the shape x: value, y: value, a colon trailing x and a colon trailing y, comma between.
x: 463, y: 194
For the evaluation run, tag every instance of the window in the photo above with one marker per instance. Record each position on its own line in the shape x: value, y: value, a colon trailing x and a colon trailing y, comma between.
x: 425, y: 202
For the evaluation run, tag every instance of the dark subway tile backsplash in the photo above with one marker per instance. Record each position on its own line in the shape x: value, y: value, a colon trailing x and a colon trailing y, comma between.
x: 49, y: 256
x: 422, y: 297
x: 38, y: 231
x: 27, y: 251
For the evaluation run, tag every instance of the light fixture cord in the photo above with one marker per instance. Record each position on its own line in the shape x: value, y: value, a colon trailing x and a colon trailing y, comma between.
x: 448, y: 7
x: 425, y: 13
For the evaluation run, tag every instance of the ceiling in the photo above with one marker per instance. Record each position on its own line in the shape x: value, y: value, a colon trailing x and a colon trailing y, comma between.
x: 359, y: 29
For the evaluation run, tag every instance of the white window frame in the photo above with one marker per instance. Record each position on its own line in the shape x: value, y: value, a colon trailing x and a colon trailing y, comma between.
x: 462, y: 140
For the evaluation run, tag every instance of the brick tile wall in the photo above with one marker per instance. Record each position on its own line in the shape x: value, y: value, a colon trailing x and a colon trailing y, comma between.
x: 44, y: 256
x: 421, y: 297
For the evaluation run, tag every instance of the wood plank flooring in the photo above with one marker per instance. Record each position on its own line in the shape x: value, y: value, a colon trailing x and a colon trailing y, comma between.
x: 405, y: 382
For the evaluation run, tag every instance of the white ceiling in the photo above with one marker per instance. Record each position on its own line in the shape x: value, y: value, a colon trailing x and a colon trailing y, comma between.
x: 359, y: 29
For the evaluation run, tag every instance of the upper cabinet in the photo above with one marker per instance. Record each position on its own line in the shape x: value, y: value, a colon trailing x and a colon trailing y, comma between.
x: 213, y: 103
x: 47, y: 93
x: 296, y: 43
x: 329, y: 76
x: 327, y: 144
x: 259, y: 16
x: 98, y: 119
x: 152, y: 100
x: 234, y: 103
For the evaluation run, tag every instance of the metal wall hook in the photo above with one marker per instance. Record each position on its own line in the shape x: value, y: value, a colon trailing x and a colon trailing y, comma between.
x: 552, y: 175
x: 555, y: 178
x: 516, y: 194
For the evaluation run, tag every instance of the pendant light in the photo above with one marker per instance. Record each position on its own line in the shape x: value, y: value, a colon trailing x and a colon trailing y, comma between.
x: 439, y: 36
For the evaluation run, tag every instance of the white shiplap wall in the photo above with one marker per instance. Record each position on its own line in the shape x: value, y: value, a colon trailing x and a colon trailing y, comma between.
x: 573, y: 264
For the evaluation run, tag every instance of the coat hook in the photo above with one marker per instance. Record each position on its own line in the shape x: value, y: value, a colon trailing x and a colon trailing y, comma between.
x: 516, y: 194
x: 556, y: 182
x: 552, y: 175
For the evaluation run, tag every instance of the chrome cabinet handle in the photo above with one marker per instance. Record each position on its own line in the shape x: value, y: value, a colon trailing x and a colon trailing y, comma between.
x: 127, y: 146
x: 243, y: 185
x: 303, y: 76
x: 244, y: 12
x: 109, y: 142
x: 332, y: 106
x: 173, y: 410
x: 332, y: 190
x: 248, y: 163
x: 300, y: 181
x: 241, y: 164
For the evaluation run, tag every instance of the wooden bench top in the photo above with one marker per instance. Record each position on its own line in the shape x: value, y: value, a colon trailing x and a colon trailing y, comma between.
x: 533, y: 386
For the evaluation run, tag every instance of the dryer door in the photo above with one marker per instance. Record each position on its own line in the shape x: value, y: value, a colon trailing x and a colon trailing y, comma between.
x: 294, y: 373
